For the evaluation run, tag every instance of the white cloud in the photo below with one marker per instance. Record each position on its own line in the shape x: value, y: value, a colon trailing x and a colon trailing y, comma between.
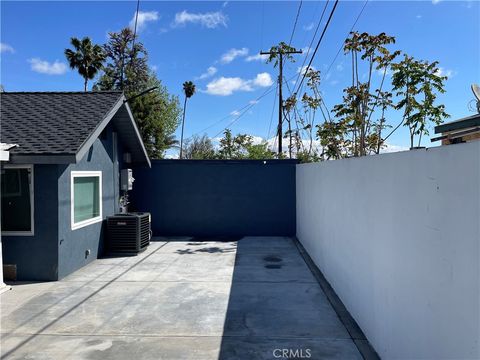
x: 418, y: 16
x: 435, y: 2
x: 306, y: 50
x: 5, y: 48
x: 225, y: 3
x: 256, y: 57
x: 301, y: 70
x: 339, y: 67
x: 154, y: 68
x: 381, y: 71
x: 309, y: 27
x: 225, y: 86
x: 144, y: 17
x: 273, y: 145
x: 209, y: 20
x: 445, y: 72
x: 263, y: 80
x: 253, y: 102
x: 212, y: 70
x: 235, y: 113
x: 44, y: 67
x: 232, y: 54
x: 390, y: 148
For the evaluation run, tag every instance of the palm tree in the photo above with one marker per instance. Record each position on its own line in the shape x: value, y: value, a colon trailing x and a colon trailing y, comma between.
x: 170, y: 141
x: 189, y: 90
x: 87, y: 57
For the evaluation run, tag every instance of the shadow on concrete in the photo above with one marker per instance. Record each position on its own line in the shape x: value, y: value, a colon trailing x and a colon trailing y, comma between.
x: 69, y: 310
x: 277, y: 310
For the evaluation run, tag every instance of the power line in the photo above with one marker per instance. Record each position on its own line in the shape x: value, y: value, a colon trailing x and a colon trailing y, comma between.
x: 135, y: 28
x: 338, y: 52
x: 311, y: 42
x: 318, y: 44
x: 296, y: 20
x: 234, y: 120
x: 246, y: 107
x: 341, y: 45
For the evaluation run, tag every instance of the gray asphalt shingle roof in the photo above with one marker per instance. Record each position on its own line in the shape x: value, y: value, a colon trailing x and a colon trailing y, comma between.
x: 52, y: 122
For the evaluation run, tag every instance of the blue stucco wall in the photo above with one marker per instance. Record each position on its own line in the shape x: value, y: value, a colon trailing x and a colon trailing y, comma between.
x: 73, y: 244
x: 56, y: 250
x: 217, y: 198
x: 36, y: 256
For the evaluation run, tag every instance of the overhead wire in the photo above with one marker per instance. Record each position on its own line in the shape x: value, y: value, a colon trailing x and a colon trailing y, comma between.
x: 135, y: 27
x: 311, y: 41
x: 318, y: 44
x: 295, y: 24
x: 246, y: 108
x: 341, y: 45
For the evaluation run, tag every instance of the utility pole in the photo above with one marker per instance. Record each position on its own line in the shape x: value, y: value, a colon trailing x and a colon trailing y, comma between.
x: 280, y: 53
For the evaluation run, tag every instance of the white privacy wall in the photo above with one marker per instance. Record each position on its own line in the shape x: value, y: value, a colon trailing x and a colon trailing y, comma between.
x: 397, y: 236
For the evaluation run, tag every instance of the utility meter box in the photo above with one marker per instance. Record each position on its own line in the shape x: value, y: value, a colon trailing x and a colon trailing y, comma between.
x: 126, y: 179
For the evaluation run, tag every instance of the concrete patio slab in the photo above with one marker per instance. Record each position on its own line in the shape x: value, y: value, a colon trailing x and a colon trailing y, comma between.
x: 179, y: 300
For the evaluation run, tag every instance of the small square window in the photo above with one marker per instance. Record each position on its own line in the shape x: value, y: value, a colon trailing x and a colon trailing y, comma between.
x: 86, y: 199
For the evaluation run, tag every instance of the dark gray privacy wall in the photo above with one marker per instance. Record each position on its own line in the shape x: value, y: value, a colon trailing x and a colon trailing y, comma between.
x: 217, y: 197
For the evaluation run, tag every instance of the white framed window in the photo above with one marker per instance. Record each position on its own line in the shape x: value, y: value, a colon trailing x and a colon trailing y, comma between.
x: 86, y: 198
x: 17, y: 200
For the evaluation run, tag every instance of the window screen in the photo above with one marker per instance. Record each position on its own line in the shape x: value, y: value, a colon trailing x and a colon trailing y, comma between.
x: 16, y: 186
x: 86, y: 198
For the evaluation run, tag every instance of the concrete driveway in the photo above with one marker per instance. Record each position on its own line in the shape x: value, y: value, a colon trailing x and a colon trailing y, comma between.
x: 251, y: 299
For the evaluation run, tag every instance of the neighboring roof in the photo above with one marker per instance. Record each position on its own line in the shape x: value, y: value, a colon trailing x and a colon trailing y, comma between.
x: 6, y: 147
x: 4, y: 151
x: 464, y: 123
x: 59, y: 127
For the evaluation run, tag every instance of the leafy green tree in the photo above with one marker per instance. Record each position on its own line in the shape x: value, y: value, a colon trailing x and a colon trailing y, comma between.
x: 127, y: 67
x: 189, y: 91
x: 157, y: 113
x: 360, y: 101
x: 241, y: 146
x: 233, y: 147
x: 86, y: 57
x: 199, y: 147
x: 417, y: 83
x: 283, y: 49
x: 260, y: 151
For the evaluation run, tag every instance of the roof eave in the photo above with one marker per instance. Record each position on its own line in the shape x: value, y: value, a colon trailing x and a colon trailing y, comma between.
x: 137, y: 132
x: 46, y: 159
x: 468, y: 122
x: 103, y: 124
x: 98, y: 130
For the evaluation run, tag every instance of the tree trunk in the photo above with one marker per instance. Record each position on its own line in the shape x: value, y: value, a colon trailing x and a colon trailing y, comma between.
x: 183, y: 124
x: 85, y: 84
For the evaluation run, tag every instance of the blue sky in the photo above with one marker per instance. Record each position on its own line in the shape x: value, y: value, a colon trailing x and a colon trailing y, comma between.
x: 215, y: 43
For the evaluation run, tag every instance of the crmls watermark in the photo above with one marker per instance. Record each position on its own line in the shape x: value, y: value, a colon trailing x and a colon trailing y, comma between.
x: 292, y: 353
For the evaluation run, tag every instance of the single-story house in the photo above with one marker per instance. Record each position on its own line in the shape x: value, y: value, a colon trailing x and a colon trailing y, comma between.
x: 4, y: 156
x: 459, y: 131
x: 62, y: 179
